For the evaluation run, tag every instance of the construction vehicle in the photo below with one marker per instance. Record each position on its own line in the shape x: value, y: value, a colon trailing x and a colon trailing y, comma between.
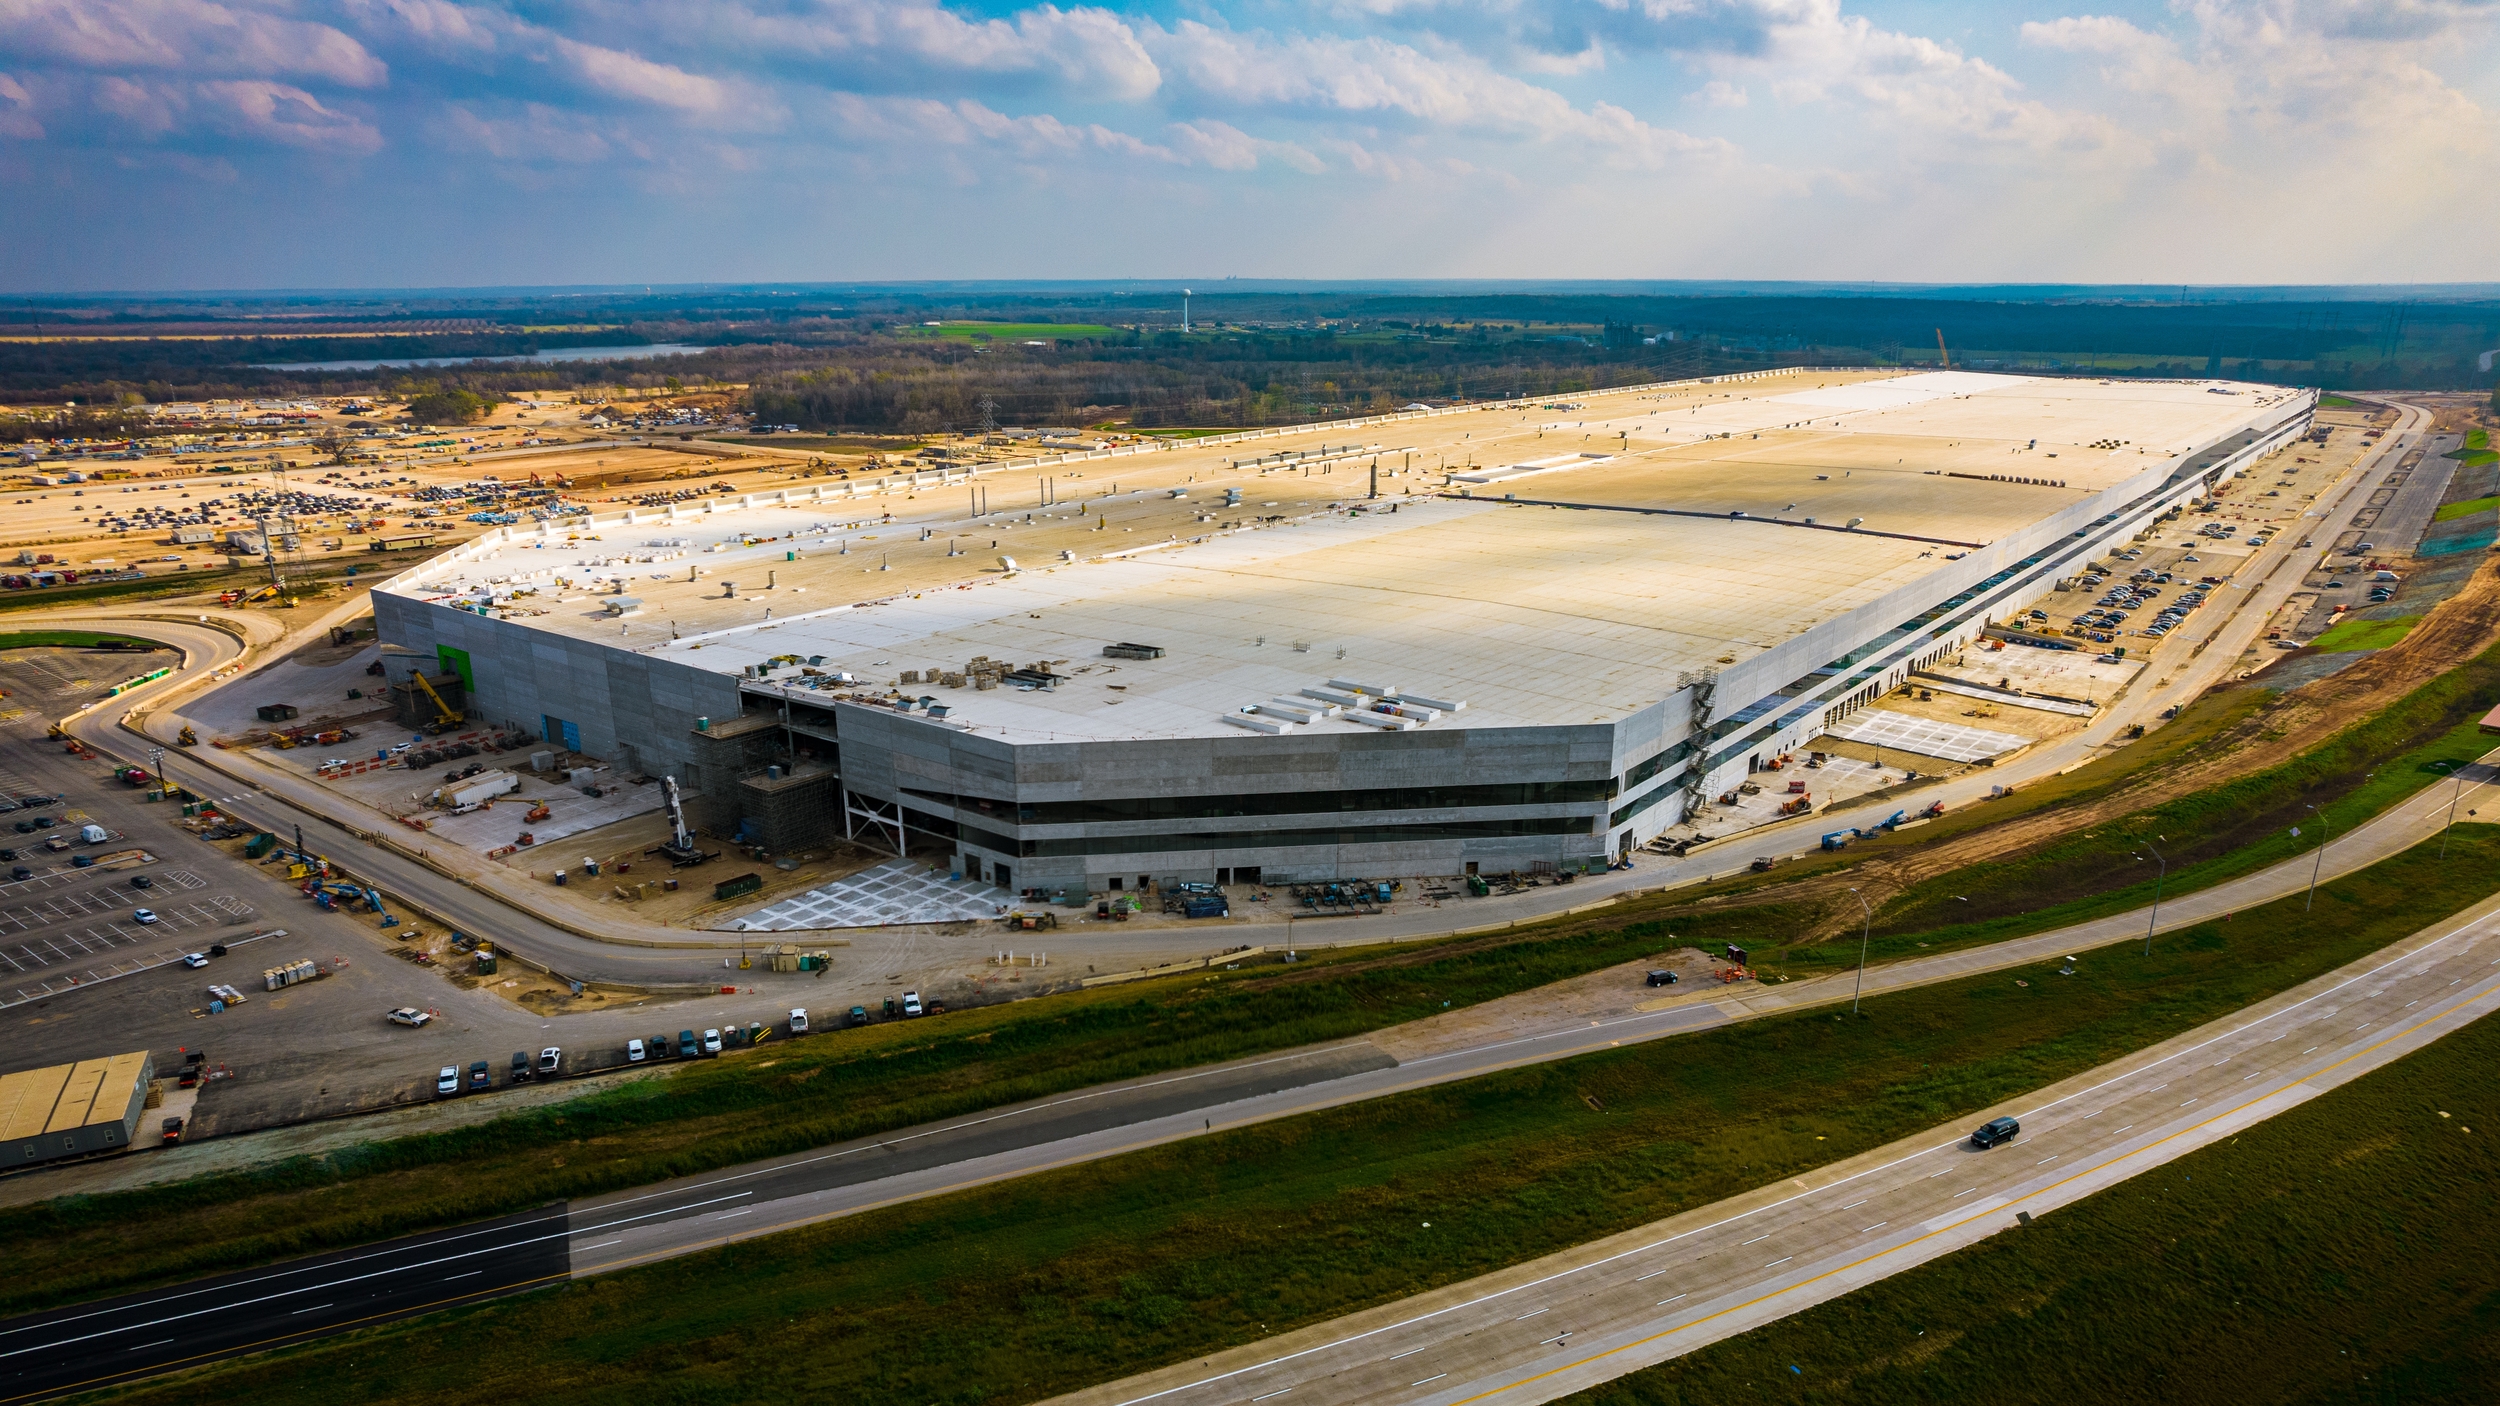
x: 537, y: 813
x: 445, y: 716
x: 680, y: 850
x: 190, y: 737
x: 1798, y: 806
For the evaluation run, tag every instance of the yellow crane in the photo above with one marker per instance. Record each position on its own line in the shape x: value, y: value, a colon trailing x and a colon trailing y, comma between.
x: 446, y: 717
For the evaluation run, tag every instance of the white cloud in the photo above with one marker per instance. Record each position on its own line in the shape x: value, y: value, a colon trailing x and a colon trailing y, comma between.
x: 537, y: 134
x: 192, y: 36
x: 1328, y: 75
x: 627, y: 75
x: 17, y: 111
x: 278, y: 113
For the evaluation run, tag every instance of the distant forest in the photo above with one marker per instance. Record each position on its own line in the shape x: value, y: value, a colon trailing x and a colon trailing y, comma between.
x: 863, y: 359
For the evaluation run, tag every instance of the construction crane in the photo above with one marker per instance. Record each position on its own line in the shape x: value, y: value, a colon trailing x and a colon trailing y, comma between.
x: 1941, y: 354
x: 446, y: 717
x: 680, y: 850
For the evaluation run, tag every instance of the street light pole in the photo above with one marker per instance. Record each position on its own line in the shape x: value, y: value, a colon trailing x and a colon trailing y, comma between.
x: 2320, y: 862
x: 1865, y: 930
x: 2453, y: 797
x: 156, y: 758
x: 2158, y: 880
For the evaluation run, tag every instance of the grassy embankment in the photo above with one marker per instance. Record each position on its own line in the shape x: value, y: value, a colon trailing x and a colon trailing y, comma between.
x: 2356, y: 634
x: 2337, y: 1252
x: 862, y: 1083
x: 72, y: 639
x: 1040, y: 1285
x: 2210, y: 836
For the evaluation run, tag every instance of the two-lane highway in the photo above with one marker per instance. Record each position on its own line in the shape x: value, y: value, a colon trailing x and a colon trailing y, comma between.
x: 1543, y: 1330
x: 138, y: 1335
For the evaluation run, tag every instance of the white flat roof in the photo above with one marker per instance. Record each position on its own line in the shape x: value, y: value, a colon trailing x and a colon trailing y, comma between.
x: 1681, y: 542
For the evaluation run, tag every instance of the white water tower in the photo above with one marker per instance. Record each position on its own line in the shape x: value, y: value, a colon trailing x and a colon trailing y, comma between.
x: 1184, y: 310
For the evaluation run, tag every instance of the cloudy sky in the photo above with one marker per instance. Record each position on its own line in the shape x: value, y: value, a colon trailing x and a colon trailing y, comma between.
x: 165, y: 144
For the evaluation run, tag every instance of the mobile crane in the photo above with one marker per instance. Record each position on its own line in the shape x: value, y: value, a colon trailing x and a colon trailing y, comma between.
x: 680, y: 850
x: 445, y: 716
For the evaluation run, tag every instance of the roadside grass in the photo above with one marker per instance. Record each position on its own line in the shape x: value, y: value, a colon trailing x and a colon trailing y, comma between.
x: 2340, y: 1251
x: 2337, y: 402
x: 2208, y: 836
x: 179, y: 583
x: 1064, y: 1278
x: 793, y: 1096
x: 72, y: 639
x: 2450, y: 512
x: 834, y: 1088
x: 2351, y: 635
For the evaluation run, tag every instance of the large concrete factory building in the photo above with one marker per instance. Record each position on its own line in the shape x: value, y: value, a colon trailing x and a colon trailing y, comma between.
x: 1499, y: 636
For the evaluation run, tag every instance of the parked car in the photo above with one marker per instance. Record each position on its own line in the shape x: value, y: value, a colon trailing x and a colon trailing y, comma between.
x: 520, y: 1067
x: 711, y: 1042
x: 659, y: 1047
x: 635, y: 1053
x: 859, y: 1015
x: 406, y: 1015
x: 21, y: 872
x: 686, y: 1046
x: 798, y: 1021
x: 80, y: 861
x: 142, y: 881
x: 143, y: 915
x: 1995, y: 1131
x: 194, y: 959
x: 447, y: 1083
x: 480, y: 1076
x: 911, y: 1003
x: 549, y: 1059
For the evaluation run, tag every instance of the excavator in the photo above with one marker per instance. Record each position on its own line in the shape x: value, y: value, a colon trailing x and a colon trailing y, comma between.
x: 680, y: 850
x: 190, y: 737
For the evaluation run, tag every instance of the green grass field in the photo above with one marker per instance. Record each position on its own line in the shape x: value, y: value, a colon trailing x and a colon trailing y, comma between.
x: 2336, y: 1252
x: 861, y: 1083
x: 1012, y: 331
x: 2365, y: 634
x: 66, y: 639
x: 2337, y: 402
x: 2450, y: 512
x: 1049, y: 1282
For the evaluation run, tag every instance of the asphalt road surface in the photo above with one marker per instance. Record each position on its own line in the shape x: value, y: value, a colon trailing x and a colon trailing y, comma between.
x: 1546, y: 1329
x: 92, y: 1345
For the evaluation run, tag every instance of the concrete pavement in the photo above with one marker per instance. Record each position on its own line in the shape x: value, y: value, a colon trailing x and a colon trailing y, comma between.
x: 1561, y: 1324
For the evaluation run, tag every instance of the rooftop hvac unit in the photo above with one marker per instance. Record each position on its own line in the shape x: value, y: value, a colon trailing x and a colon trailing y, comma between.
x: 1125, y: 650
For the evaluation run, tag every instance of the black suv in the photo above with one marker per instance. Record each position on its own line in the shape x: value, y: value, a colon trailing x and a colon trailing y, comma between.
x: 1994, y: 1132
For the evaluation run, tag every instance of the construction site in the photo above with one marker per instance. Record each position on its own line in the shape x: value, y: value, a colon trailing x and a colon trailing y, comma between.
x: 1509, y: 638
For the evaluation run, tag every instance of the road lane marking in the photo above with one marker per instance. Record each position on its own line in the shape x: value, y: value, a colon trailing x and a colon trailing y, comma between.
x: 2380, y: 1044
x: 1662, y: 1303
x: 1876, y: 1226
x: 1433, y: 1378
x: 1651, y: 1275
x: 1778, y: 1262
x: 316, y: 1308
x: 1755, y: 1241
x: 471, y: 1274
x: 1408, y: 1353
x: 145, y: 1346
x: 1522, y: 1318
x: 1271, y: 1395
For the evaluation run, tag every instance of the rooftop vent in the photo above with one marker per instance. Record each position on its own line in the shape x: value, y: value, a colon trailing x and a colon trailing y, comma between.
x: 1125, y: 650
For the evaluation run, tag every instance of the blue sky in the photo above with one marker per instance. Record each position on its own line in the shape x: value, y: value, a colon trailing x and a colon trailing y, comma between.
x: 167, y: 144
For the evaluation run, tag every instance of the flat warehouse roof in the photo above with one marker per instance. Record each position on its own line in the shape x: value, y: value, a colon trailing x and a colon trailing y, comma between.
x: 1656, y: 531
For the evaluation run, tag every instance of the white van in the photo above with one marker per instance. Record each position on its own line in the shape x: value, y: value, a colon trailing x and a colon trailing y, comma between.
x: 93, y: 834
x: 798, y: 1021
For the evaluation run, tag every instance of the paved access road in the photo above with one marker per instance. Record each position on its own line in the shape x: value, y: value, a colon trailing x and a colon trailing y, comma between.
x: 1546, y: 1329
x: 92, y: 1345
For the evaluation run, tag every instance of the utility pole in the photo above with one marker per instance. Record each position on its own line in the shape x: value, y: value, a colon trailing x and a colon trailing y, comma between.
x: 2158, y: 880
x: 1866, y: 929
x: 2318, y: 863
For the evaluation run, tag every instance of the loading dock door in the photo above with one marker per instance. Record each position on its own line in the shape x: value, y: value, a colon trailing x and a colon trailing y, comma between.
x: 556, y: 729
